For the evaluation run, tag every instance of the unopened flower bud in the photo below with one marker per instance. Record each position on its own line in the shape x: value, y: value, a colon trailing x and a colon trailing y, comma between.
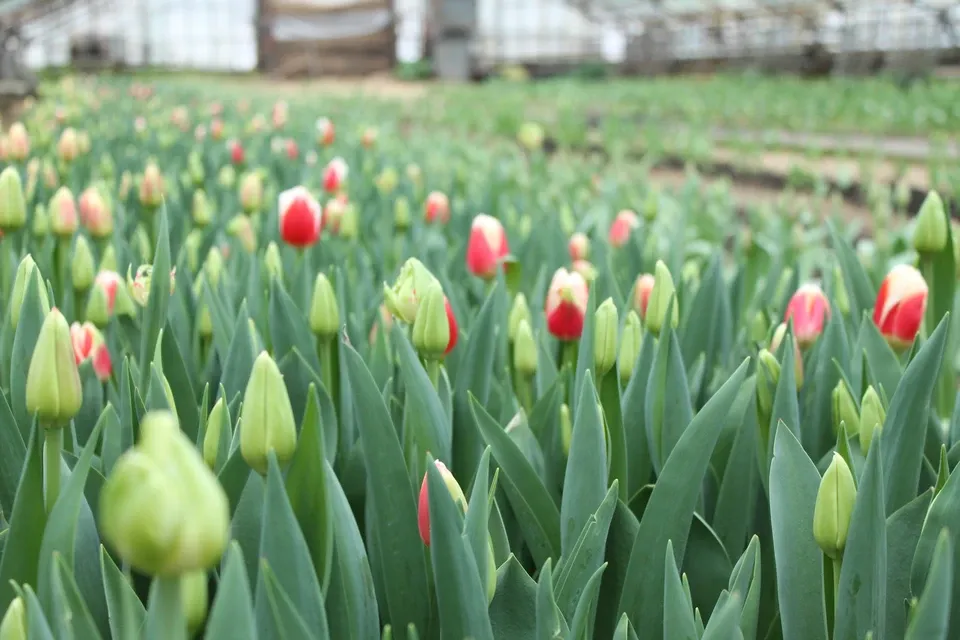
x: 518, y: 312
x: 606, y: 323
x: 108, y: 261
x: 840, y: 295
x: 241, y: 228
x: 193, y: 597
x: 530, y: 136
x: 324, y: 309
x: 401, y: 214
x: 431, y: 329
x: 41, y: 221
x: 423, y: 510
x: 833, y: 508
x: 139, y: 286
x: 663, y: 294
x: 204, y: 319
x: 768, y: 376
x: 217, y: 421
x: 53, y: 390
x: 251, y: 192
x: 19, y: 141
x: 403, y: 298
x: 930, y: 232
x: 266, y: 419
x: 566, y: 428
x: 844, y: 408
x: 13, y: 203
x: 272, y: 262
x: 872, y: 417
x: 525, y: 354
x: 25, y: 271
x: 14, y: 624
x: 202, y: 215
x: 161, y: 508
x: 63, y: 213
x: 630, y: 344
x: 95, y: 212
x: 387, y: 181
x: 778, y: 335
x: 151, y: 186
x: 141, y: 241
x: 348, y: 228
x: 82, y: 267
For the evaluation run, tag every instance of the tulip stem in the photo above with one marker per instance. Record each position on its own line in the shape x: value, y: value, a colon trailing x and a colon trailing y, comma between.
x: 837, y: 562
x: 4, y: 268
x: 326, y: 366
x: 433, y: 370
x: 524, y: 392
x: 53, y: 445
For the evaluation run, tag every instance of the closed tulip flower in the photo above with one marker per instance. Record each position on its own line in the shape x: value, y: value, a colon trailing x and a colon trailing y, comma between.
x: 662, y: 295
x: 68, y: 147
x: 901, y: 304
x: 300, y: 217
x: 14, y: 624
x: 333, y: 213
x: 486, y: 247
x: 519, y: 312
x: 53, y: 390
x: 326, y: 133
x: 434, y: 327
x: 423, y: 509
x: 834, y: 507
x: 266, y: 417
x: 623, y: 225
x: 335, y: 175
x: 324, y: 308
x: 241, y: 228
x: 403, y: 298
x: 606, y: 325
x: 641, y: 293
x: 19, y: 142
x: 566, y: 304
x: 139, y: 285
x: 778, y: 335
x: 932, y: 224
x: 369, y: 137
x: 437, y: 208
x: 82, y: 265
x: 151, y: 186
x: 237, y: 154
x: 585, y: 269
x: 13, y: 204
x: 63, y: 213
x: 809, y: 310
x: 630, y: 344
x: 88, y: 344
x: 579, y: 246
x: 95, y: 213
x: 26, y: 271
x: 108, y: 297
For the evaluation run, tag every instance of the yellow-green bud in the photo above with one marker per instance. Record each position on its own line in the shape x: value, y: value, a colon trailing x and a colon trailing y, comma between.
x: 663, y: 292
x: 13, y: 204
x: 272, y: 262
x: 530, y: 136
x: 872, y: 417
x: 768, y: 375
x: 491, y: 579
x: 566, y: 428
x: 930, y: 232
x: 227, y: 176
x: 193, y: 599
x: 191, y: 247
x: 403, y: 298
x: 202, y: 215
x: 348, y: 222
x: 161, y: 508
x: 219, y: 415
x: 108, y: 261
x: 324, y: 309
x: 82, y: 267
x: 431, y: 327
x: 518, y: 312
x: 14, y: 624
x: 213, y: 266
x: 41, y: 221
x: 387, y: 181
x: 606, y: 324
x: 834, y: 506
x: 401, y: 214
x: 54, y: 393
x: 204, y: 319
x: 844, y: 408
x: 266, y: 419
x: 141, y: 240
x: 25, y: 271
x: 630, y: 344
x: 525, y: 354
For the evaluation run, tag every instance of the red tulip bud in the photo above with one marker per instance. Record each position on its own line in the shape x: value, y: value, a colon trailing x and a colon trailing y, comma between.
x: 300, y: 217
x: 623, y: 225
x: 423, y: 512
x: 809, y: 309
x: 901, y: 303
x: 486, y: 247
x: 566, y: 304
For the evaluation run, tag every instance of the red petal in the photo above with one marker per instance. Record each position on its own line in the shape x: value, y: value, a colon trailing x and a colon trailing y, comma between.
x: 881, y: 302
x: 423, y: 513
x: 452, y: 320
x: 905, y: 319
x: 566, y: 321
x: 102, y: 365
x: 481, y: 259
x: 298, y: 224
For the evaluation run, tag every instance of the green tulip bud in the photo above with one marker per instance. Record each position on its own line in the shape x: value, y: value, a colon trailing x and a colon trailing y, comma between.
x: 202, y: 215
x: 41, y: 221
x: 13, y: 203
x: 630, y: 344
x: 518, y: 312
x: 213, y: 266
x: 161, y: 508
x: 844, y: 408
x: 768, y: 375
x: 25, y: 271
x: 348, y: 222
x: 833, y: 508
x: 606, y: 324
x: 491, y: 578
x: 54, y: 393
x: 403, y: 298
x: 108, y: 261
x: 324, y: 309
x: 566, y: 428
x: 272, y: 262
x: 204, y: 320
x: 530, y: 136
x: 141, y: 240
x: 759, y: 327
x: 227, y: 177
x: 930, y: 232
x: 525, y: 354
x: 663, y: 293
x: 219, y: 418
x: 266, y: 419
x: 401, y: 214
x: 872, y: 417
x: 63, y: 213
x: 431, y: 327
x: 191, y: 247
x: 193, y: 598
x: 82, y: 267
x: 14, y: 624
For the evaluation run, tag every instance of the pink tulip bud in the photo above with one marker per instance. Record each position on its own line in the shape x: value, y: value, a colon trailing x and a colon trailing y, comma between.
x: 901, y: 304
x: 151, y: 186
x: 623, y: 225
x: 579, y: 246
x: 88, y: 342
x: 300, y: 217
x: 236, y: 152
x: 335, y: 175
x: 216, y: 128
x: 809, y: 309
x: 293, y: 151
x: 19, y: 142
x: 95, y: 214
x: 333, y: 213
x: 641, y: 293
x: 63, y: 213
x: 325, y: 132
x: 68, y: 148
x: 423, y: 511
x: 437, y: 208
x: 566, y: 304
x: 486, y: 247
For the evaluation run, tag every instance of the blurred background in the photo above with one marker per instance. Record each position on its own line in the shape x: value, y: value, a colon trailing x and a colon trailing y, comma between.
x: 460, y: 39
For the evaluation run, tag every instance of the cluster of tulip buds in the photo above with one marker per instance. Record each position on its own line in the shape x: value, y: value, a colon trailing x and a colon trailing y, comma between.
x: 417, y: 299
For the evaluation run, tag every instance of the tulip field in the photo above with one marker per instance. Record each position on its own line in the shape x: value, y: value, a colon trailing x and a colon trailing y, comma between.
x: 295, y: 366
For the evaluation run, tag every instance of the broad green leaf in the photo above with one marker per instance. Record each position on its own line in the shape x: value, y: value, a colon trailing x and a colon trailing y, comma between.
x: 585, y: 481
x: 610, y: 402
x: 931, y: 615
x: 583, y: 617
x: 584, y: 363
x: 513, y: 603
x: 620, y: 538
x: 671, y: 506
x: 861, y: 594
x: 461, y: 597
x: 903, y: 441
x: 289, y: 328
x: 678, y: 620
x: 736, y: 496
x: 624, y: 630
x: 724, y: 624
x: 668, y: 408
x: 794, y: 483
x: 903, y: 533
x: 71, y: 615
x: 859, y: 289
x: 476, y: 522
x: 883, y: 362
x: 284, y: 549
x: 284, y: 616
x: 231, y: 615
x: 633, y: 402
x: 817, y: 432
x: 786, y: 411
x: 537, y: 514
x: 126, y: 611
x: 706, y: 565
x: 551, y: 624
x: 13, y: 452
x: 400, y: 556
x: 165, y: 616
x: 155, y: 313
x: 181, y: 384
x: 709, y: 327
x: 24, y: 341
x: 745, y: 580
x: 38, y: 627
